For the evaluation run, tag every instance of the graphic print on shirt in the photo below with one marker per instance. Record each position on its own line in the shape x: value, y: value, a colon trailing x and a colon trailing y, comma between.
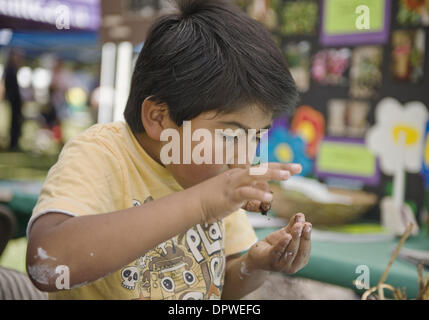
x: 188, y: 266
x: 136, y: 203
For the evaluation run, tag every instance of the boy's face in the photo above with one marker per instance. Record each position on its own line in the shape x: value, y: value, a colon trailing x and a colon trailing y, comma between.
x: 188, y: 175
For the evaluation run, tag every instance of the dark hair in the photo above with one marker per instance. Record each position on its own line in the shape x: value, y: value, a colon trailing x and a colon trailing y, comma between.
x: 209, y: 56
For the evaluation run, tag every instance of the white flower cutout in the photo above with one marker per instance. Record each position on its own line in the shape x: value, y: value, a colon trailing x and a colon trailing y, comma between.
x: 398, y: 135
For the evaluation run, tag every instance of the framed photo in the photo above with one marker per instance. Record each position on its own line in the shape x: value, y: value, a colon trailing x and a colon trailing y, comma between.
x: 408, y: 55
x: 413, y: 13
x: 355, y: 22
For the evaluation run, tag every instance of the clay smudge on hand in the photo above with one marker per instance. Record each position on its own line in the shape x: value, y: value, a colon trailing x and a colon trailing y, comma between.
x: 41, y: 273
x: 43, y: 255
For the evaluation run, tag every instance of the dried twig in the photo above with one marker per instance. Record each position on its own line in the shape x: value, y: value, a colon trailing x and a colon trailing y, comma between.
x: 381, y: 285
x: 399, y: 294
x: 368, y: 293
x: 423, y: 284
x: 396, y: 252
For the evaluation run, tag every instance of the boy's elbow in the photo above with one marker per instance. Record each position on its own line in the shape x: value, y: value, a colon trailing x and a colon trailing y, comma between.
x: 44, y: 261
x: 42, y: 275
x: 42, y: 272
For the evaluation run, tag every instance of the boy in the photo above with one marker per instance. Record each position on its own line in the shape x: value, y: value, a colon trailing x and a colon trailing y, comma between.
x: 114, y: 220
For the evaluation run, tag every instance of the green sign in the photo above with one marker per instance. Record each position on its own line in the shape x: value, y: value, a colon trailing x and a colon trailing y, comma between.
x: 349, y: 159
x: 340, y: 16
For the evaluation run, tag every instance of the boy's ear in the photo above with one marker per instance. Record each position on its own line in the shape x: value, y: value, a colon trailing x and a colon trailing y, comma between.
x: 155, y: 118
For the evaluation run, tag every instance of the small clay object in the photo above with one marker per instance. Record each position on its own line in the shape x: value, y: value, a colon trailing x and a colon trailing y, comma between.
x: 252, y: 205
x: 257, y: 206
x: 265, y: 207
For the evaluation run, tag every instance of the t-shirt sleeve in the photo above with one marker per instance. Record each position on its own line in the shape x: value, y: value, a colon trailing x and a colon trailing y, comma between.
x: 86, y: 179
x: 239, y: 233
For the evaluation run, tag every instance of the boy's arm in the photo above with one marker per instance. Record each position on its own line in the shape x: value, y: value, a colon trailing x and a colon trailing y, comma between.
x: 96, y: 245
x: 239, y: 280
x: 93, y: 246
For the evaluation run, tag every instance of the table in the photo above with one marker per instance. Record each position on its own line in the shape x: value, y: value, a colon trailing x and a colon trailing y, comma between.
x: 330, y: 261
x: 336, y: 263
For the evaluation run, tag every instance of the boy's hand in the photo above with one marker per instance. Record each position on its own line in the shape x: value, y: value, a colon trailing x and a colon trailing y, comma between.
x: 229, y: 191
x: 285, y: 250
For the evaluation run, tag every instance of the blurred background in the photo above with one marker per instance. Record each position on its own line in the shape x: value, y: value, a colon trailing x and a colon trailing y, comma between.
x: 360, y: 130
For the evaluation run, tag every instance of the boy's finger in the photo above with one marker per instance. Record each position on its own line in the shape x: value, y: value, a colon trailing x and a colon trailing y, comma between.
x: 293, y: 168
x: 306, y: 234
x: 276, y: 236
x: 249, y: 193
x: 277, y: 251
x: 264, y: 207
x: 270, y: 174
x: 255, y: 205
x: 241, y: 177
x: 298, y: 217
x: 293, y: 246
x: 263, y: 185
x: 303, y: 254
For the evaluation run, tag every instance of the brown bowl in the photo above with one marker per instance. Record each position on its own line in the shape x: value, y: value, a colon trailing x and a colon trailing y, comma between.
x: 286, y: 203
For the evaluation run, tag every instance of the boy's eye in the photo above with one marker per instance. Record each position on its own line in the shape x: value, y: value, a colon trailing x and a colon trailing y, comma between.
x: 233, y: 138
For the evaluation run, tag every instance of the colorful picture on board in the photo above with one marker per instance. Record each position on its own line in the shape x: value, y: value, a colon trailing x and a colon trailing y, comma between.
x: 365, y: 71
x: 285, y: 147
x: 262, y: 11
x: 299, y: 17
x: 408, y: 55
x: 347, y: 118
x: 413, y: 12
x: 309, y: 124
x: 398, y: 134
x: 355, y: 22
x: 329, y: 66
x: 298, y: 60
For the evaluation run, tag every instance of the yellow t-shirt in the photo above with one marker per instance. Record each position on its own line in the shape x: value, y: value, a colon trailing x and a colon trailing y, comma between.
x: 105, y: 169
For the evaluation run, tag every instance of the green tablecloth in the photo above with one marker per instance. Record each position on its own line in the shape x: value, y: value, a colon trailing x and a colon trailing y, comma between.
x: 336, y: 263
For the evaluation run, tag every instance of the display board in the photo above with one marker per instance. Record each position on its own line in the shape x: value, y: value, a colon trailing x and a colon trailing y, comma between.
x: 343, y: 70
